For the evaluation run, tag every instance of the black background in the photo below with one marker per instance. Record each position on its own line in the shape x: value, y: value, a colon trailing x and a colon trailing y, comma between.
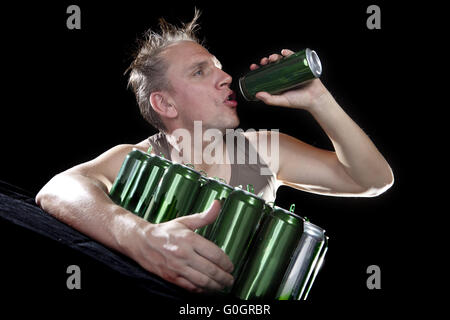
x: 66, y: 101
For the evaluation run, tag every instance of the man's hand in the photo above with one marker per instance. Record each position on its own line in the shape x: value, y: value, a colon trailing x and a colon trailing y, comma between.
x: 303, y: 97
x: 176, y: 253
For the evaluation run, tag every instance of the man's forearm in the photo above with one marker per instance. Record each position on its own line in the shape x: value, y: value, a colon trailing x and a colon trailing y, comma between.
x: 83, y: 203
x: 170, y: 250
x: 355, y: 151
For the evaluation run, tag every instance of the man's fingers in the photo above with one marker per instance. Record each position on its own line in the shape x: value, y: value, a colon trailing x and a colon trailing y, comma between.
x: 264, y: 61
x: 212, y: 271
x: 274, y: 57
x: 186, y: 284
x: 274, y: 100
x: 287, y: 52
x: 198, y: 220
x: 201, y: 280
x: 213, y: 253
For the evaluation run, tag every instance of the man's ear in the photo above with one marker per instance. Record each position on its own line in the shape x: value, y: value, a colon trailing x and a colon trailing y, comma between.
x: 163, y: 105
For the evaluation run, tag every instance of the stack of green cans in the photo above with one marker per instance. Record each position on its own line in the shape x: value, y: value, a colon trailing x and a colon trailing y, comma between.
x: 137, y: 180
x: 269, y: 257
x: 276, y: 254
x: 283, y: 259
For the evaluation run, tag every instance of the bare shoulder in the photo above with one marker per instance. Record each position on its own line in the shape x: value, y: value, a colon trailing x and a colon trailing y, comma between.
x: 143, y: 145
x: 106, y: 166
x: 267, y: 136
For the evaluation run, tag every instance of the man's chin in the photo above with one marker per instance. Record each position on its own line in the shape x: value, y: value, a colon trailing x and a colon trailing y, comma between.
x: 232, y: 125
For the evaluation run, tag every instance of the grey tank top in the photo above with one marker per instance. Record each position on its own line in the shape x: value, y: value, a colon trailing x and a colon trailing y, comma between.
x: 244, y: 169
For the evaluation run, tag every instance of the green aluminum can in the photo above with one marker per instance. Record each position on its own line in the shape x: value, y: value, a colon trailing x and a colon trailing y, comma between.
x: 212, y: 190
x: 127, y: 173
x: 175, y: 194
x: 236, y: 225
x: 284, y: 74
x: 305, y: 264
x: 269, y: 256
x: 144, y: 185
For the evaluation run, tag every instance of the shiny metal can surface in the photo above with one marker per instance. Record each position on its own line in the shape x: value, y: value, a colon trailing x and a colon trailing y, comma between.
x: 211, y: 190
x: 127, y: 173
x: 175, y: 194
x: 305, y: 264
x: 236, y: 225
x: 284, y: 74
x: 269, y: 256
x: 145, y: 183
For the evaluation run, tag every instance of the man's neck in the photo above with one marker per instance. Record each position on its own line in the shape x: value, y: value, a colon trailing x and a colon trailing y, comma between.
x: 192, y: 148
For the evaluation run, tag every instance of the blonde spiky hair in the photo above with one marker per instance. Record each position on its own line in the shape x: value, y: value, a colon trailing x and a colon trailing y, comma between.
x: 148, y: 69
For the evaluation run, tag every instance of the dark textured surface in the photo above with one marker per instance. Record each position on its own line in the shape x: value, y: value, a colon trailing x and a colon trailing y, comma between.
x: 36, y: 245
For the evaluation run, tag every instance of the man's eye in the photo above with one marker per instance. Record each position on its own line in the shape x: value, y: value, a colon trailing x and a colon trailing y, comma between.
x: 198, y: 72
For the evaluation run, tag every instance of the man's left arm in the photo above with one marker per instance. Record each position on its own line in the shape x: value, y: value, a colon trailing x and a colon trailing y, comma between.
x: 355, y: 168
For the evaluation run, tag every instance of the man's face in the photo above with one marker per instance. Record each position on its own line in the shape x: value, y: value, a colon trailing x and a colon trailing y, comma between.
x: 200, y: 89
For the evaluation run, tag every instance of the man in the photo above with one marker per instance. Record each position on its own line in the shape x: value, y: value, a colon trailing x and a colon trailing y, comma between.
x: 176, y: 82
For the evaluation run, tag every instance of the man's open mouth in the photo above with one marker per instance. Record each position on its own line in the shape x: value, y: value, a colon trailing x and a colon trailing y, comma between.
x: 231, y: 100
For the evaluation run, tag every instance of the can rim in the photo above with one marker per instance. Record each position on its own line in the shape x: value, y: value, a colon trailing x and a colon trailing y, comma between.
x: 287, y: 214
x: 314, y: 62
x: 163, y: 162
x: 251, y: 198
x: 214, y: 182
x: 313, y: 230
x: 185, y: 171
x: 241, y: 88
x: 140, y: 152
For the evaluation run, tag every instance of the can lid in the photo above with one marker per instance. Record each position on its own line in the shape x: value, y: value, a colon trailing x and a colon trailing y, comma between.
x: 160, y: 162
x: 314, y: 62
x: 218, y: 185
x: 139, y: 154
x: 185, y: 171
x: 313, y: 230
x: 220, y: 179
x: 287, y: 216
x: 247, y: 197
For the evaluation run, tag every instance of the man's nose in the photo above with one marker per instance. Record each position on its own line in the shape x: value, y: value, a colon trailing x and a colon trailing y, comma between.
x: 224, y: 80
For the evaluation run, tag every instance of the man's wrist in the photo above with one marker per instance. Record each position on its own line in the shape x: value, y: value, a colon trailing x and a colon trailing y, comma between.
x: 125, y: 229
x: 322, y: 105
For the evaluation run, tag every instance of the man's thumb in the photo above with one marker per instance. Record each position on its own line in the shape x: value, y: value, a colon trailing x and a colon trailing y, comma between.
x: 198, y: 220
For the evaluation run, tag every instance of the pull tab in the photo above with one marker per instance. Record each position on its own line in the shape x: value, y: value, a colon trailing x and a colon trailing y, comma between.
x: 292, y: 208
x: 161, y: 155
x: 240, y: 186
x: 150, y: 149
x: 250, y: 188
x: 190, y: 165
x: 220, y: 179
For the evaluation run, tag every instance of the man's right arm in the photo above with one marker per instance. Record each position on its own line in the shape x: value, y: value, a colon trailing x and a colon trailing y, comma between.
x: 79, y: 197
